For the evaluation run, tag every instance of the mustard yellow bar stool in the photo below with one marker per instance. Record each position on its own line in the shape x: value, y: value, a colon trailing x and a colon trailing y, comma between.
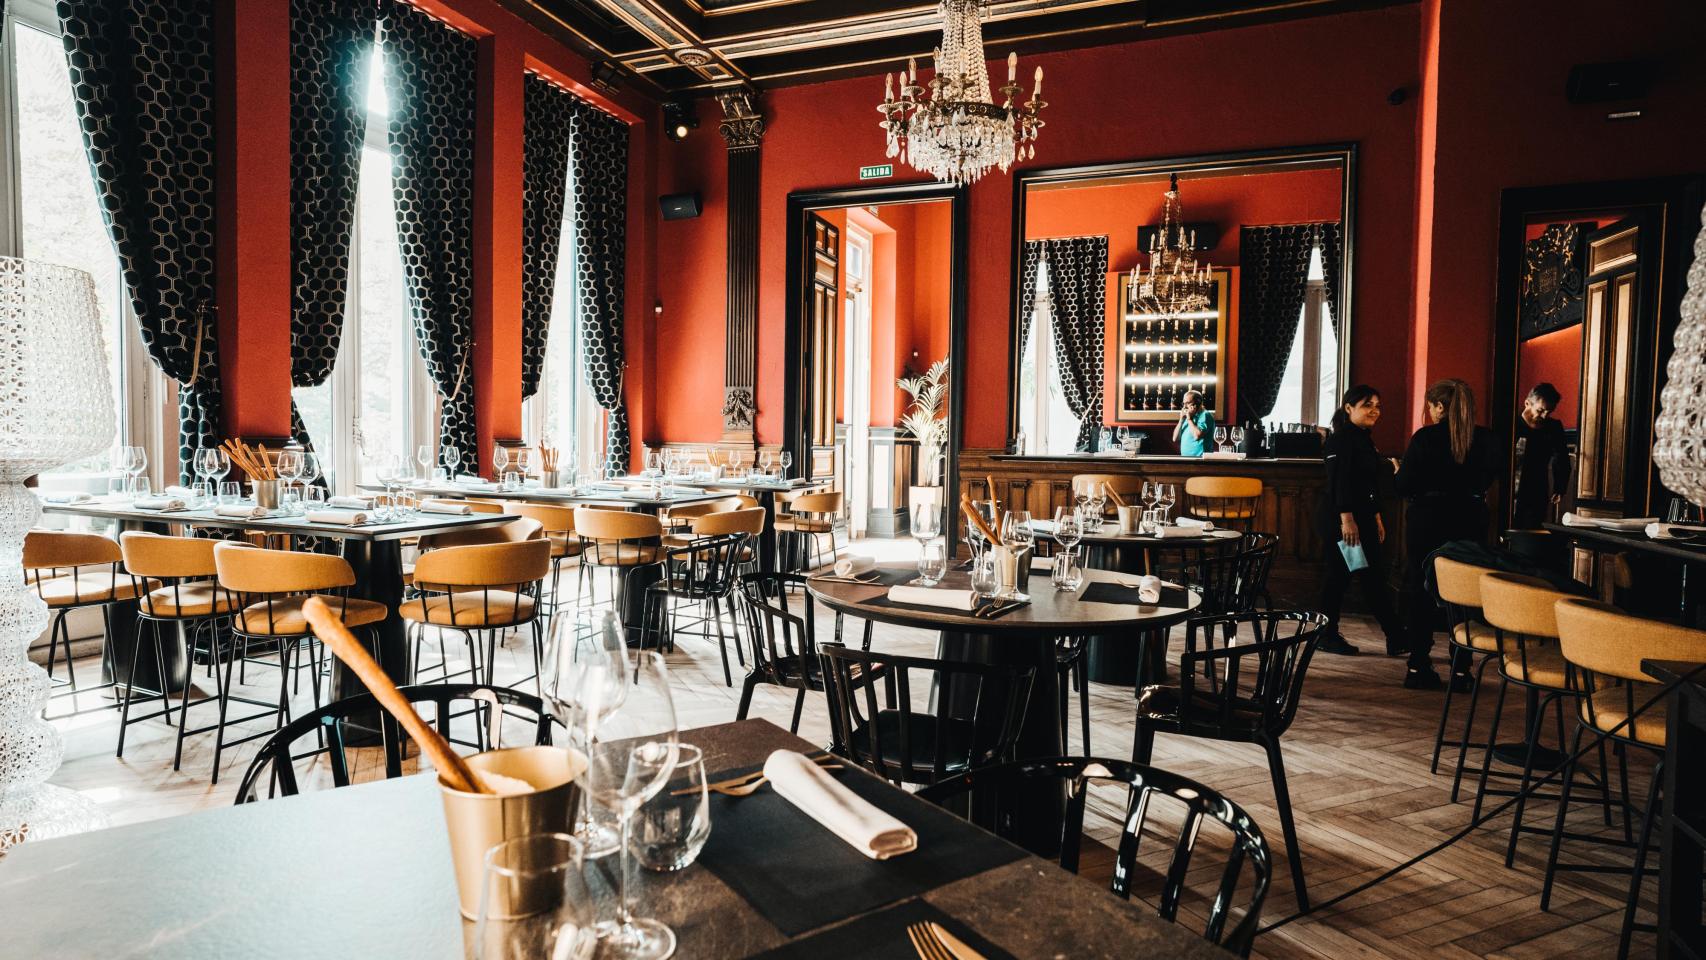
x: 1459, y: 587
x: 482, y: 590
x: 1604, y: 647
x: 1520, y: 610
x: 810, y: 517
x: 678, y: 520
x: 1224, y: 501
x: 71, y: 571
x: 1129, y: 486
x: 271, y: 586
x: 557, y: 524
x: 190, y: 602
x: 517, y: 530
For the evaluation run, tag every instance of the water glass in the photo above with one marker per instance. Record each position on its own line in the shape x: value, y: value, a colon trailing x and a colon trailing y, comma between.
x: 534, y: 901
x: 230, y: 492
x: 932, y: 563
x: 203, y: 493
x: 1682, y: 511
x: 313, y: 498
x: 1167, y: 495
x: 927, y: 530
x: 672, y: 827
x: 511, y: 481
x: 985, y: 581
x: 1067, y: 575
x: 140, y: 488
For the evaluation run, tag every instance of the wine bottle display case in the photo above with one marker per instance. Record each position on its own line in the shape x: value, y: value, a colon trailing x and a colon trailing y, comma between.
x: 1164, y: 355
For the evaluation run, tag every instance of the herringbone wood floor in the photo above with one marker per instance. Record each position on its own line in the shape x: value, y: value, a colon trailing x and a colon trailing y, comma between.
x: 1357, y: 759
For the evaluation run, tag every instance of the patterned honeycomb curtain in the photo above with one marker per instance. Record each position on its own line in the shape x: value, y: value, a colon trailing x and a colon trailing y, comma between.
x: 430, y: 80
x: 1077, y: 287
x: 331, y: 42
x: 1033, y: 257
x: 548, y: 116
x: 1275, y: 262
x: 143, y: 77
x: 599, y: 150
x: 1331, y: 237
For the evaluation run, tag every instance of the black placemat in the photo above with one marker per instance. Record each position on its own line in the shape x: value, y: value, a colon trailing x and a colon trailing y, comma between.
x: 799, y: 876
x: 876, y: 578
x: 1115, y: 593
x: 881, y: 936
x: 885, y: 602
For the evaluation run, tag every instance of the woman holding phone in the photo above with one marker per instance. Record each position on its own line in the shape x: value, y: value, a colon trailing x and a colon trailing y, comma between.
x: 1350, y: 520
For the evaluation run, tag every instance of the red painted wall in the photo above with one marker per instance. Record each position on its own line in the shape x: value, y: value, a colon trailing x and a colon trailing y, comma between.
x: 1503, y: 122
x: 1206, y: 93
x: 253, y: 208
x: 1554, y: 357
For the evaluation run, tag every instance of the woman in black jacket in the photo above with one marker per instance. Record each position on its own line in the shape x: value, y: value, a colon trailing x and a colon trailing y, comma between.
x: 1445, y: 475
x: 1350, y: 515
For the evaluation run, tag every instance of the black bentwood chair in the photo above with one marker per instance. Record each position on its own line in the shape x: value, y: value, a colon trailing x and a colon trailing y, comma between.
x: 1199, y: 803
x: 1240, y: 678
x: 276, y: 761
x: 979, y: 709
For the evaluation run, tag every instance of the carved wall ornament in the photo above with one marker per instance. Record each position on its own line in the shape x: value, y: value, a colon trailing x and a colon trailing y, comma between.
x: 739, y: 409
x: 1553, y: 275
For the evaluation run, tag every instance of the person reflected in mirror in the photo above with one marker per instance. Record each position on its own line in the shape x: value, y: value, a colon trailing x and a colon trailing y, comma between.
x: 1195, y: 426
x: 1543, y: 460
x: 1350, y: 514
x: 1444, y: 476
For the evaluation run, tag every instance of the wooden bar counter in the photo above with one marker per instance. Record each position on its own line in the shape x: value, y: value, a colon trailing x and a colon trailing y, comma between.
x: 1291, y: 492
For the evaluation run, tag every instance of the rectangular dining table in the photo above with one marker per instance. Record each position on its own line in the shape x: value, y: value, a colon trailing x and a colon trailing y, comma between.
x: 614, y: 497
x: 374, y: 552
x: 365, y: 871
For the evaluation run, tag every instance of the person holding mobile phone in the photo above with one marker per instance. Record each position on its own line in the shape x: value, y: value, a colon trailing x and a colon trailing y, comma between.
x: 1195, y: 426
x: 1350, y: 521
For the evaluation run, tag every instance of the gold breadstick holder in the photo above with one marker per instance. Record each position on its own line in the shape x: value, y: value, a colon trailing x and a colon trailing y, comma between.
x: 478, y: 822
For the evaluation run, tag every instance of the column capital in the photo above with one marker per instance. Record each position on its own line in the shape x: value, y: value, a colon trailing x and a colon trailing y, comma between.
x: 742, y: 125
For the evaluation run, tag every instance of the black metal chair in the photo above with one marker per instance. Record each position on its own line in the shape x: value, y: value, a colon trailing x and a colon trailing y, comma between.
x: 1198, y: 802
x: 703, y: 570
x: 781, y: 640
x: 275, y: 762
x: 1240, y: 678
x: 978, y: 711
x: 1233, y: 580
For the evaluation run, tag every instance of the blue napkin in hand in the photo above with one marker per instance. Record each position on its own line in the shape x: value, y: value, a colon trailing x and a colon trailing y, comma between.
x: 1355, y: 559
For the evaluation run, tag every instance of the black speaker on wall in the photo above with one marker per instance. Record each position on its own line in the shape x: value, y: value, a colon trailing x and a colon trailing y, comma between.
x: 1603, y: 82
x: 679, y: 206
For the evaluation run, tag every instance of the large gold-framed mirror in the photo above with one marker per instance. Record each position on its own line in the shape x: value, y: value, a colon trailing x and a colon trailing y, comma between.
x: 1101, y: 354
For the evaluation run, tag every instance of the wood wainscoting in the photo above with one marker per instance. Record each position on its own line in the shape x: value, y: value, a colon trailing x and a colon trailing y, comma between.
x: 1291, y: 492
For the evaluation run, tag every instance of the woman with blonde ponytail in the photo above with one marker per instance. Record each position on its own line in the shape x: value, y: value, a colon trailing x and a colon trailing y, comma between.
x: 1444, y: 475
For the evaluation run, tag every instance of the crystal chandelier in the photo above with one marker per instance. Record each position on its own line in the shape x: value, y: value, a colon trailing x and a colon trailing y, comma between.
x: 1680, y: 448
x: 957, y: 133
x: 1176, y: 283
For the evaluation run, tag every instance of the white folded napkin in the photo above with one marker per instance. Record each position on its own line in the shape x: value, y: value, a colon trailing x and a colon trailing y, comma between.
x: 1675, y: 531
x: 934, y: 597
x: 241, y: 511
x: 348, y: 518
x: 1042, y: 563
x: 1194, y: 522
x: 351, y: 503
x: 1625, y: 524
x: 178, y: 490
x: 1575, y: 520
x: 452, y: 507
x: 1224, y: 455
x: 839, y: 810
x: 1179, y: 531
x: 853, y: 566
x: 162, y: 504
x: 66, y: 496
x: 1149, y: 589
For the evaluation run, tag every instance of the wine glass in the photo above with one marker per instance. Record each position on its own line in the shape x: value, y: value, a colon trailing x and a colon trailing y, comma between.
x: 584, y: 678
x: 132, y: 460
x: 451, y: 458
x: 310, y: 468
x: 1167, y: 496
x: 1068, y: 531
x: 1016, y: 530
x: 787, y: 459
x: 1097, y: 505
x: 764, y: 463
x: 423, y: 456
x: 1219, y: 438
x: 1236, y: 434
x: 500, y: 460
x: 627, y: 764
x: 534, y: 901
x: 524, y: 462
x: 652, y: 468
x: 289, y: 466
x: 927, y: 530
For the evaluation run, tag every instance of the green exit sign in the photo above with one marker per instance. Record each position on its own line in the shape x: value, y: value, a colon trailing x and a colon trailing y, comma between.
x: 877, y: 171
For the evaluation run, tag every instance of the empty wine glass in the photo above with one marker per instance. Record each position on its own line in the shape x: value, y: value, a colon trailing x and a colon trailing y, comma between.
x: 787, y: 460
x: 423, y: 456
x: 673, y: 826
x: 500, y: 460
x: 523, y: 461
x: 1236, y: 435
x: 289, y: 465
x: 1167, y: 495
x: 628, y: 763
x: 927, y: 530
x: 451, y: 458
x: 1219, y: 438
x: 583, y: 676
x: 534, y: 901
x: 652, y: 467
x: 764, y: 463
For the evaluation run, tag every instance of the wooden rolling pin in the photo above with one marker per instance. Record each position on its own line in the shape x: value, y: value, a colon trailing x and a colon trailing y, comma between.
x: 337, y: 637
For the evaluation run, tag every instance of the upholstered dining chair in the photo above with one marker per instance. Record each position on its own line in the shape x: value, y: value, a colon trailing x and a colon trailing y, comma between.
x: 558, y: 524
x: 74, y: 571
x: 1224, y: 501
x: 1603, y: 648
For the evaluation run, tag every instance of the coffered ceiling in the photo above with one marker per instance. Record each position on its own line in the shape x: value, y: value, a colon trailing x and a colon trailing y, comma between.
x: 691, y: 47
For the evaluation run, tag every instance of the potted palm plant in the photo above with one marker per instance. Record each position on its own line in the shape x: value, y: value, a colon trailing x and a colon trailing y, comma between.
x: 926, y: 422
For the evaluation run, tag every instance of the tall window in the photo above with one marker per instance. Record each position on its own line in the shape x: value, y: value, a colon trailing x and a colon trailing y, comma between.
x: 378, y: 401
x: 1045, y: 419
x: 563, y: 412
x: 56, y: 215
x: 1309, y: 390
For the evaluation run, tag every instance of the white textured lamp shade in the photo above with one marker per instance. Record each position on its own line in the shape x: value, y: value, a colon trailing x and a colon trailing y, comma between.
x: 56, y: 406
x: 1680, y: 447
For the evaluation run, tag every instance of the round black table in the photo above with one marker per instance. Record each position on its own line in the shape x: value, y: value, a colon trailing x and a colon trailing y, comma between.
x: 1023, y: 637
x: 1110, y: 660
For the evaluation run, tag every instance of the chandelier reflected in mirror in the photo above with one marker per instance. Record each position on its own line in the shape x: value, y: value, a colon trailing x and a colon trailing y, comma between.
x: 1176, y: 283
x: 952, y: 129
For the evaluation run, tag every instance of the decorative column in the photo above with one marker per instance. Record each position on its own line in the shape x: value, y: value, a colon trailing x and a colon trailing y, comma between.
x: 743, y: 130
